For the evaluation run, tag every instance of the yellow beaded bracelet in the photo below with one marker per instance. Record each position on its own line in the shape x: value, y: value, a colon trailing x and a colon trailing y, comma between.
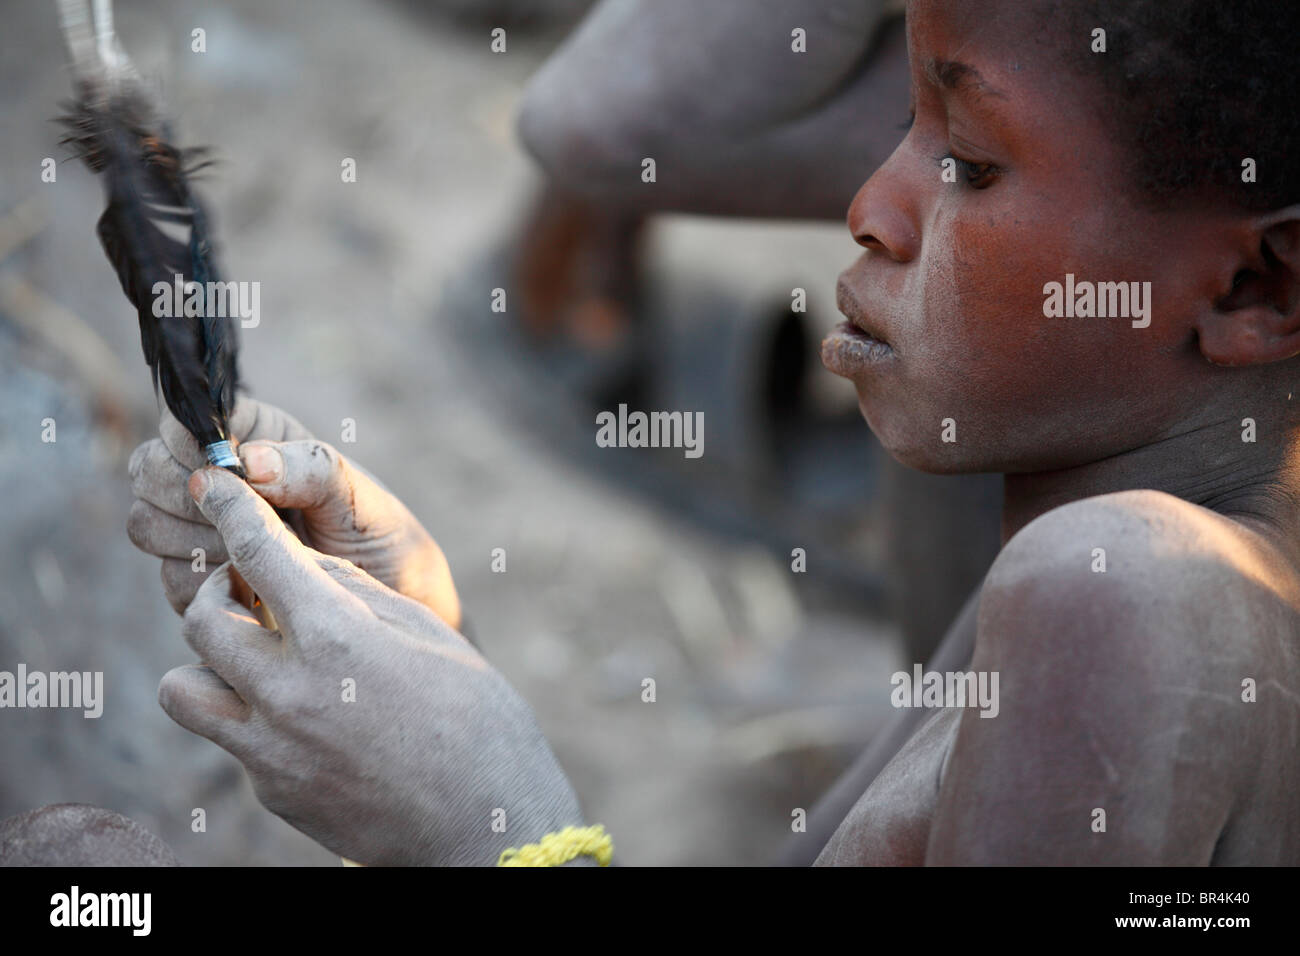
x: 555, y: 849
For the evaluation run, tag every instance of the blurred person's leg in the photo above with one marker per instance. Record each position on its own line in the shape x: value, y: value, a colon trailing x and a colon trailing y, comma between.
x: 523, y: 15
x: 575, y: 268
x: 738, y: 123
x: 736, y: 120
x: 73, y: 834
x: 675, y: 81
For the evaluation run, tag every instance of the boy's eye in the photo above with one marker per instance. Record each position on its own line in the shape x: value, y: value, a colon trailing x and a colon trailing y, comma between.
x: 978, y: 175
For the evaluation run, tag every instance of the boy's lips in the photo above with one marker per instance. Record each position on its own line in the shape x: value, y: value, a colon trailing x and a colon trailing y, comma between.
x: 846, y: 300
x: 853, y: 346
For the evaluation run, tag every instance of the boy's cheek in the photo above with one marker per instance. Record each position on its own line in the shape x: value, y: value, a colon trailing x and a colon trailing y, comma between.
x: 985, y: 378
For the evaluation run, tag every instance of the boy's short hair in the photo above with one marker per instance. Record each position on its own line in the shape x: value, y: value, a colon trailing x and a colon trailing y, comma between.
x: 1195, y: 88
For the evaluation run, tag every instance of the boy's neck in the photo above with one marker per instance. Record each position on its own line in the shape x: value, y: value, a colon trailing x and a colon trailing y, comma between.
x: 1209, y: 465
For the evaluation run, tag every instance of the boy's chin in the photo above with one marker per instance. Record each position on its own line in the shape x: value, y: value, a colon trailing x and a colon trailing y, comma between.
x: 924, y: 459
x: 935, y: 456
x: 939, y: 446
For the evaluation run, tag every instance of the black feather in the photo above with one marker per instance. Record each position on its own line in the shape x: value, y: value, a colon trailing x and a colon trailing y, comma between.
x: 147, y: 184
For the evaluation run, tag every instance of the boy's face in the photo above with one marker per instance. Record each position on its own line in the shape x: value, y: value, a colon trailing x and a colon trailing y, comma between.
x: 953, y: 279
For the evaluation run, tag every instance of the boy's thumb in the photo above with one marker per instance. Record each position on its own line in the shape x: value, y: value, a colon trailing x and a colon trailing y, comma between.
x: 309, y: 475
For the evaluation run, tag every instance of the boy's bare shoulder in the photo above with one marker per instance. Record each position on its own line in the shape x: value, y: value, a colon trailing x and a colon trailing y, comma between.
x: 1145, y: 650
x: 1136, y: 572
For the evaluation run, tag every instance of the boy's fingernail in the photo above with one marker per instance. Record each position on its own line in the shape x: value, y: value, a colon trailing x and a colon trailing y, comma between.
x: 198, y: 484
x: 262, y: 462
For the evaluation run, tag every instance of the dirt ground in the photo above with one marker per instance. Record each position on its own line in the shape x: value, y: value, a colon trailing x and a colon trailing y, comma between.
x: 763, y: 692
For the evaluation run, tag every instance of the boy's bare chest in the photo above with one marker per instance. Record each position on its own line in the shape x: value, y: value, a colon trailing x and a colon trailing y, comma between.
x: 890, y: 824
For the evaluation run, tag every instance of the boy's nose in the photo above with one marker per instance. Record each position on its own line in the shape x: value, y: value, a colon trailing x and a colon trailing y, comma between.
x: 881, y: 219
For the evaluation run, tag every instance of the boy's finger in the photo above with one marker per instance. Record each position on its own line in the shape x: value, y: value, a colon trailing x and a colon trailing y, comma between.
x: 181, y: 582
x: 186, y: 450
x: 275, y: 564
x: 251, y: 420
x: 179, y: 441
x: 265, y: 422
x: 308, y: 475
x: 155, y: 532
x: 158, y: 478
x: 228, y: 639
x: 201, y: 702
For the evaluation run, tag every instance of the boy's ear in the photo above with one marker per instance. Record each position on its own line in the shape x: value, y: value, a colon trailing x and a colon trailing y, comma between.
x: 1257, y: 319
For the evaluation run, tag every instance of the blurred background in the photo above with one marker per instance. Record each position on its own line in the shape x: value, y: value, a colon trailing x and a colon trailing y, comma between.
x: 376, y: 307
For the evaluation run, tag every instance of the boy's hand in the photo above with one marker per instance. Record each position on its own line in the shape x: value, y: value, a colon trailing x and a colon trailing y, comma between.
x: 364, y: 721
x: 331, y: 504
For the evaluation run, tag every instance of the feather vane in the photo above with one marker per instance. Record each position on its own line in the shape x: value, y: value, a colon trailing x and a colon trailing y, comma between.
x: 153, y: 230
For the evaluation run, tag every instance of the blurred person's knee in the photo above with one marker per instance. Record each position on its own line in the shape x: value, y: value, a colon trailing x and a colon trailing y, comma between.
x: 578, y: 132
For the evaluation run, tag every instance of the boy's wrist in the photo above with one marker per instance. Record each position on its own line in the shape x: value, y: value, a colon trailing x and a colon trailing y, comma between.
x: 573, y: 845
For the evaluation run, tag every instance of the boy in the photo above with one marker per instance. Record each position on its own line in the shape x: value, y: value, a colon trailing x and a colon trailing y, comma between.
x: 1143, y: 617
x: 1124, y: 684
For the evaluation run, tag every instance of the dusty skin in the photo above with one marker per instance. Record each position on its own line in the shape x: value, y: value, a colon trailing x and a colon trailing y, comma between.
x: 363, y: 705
